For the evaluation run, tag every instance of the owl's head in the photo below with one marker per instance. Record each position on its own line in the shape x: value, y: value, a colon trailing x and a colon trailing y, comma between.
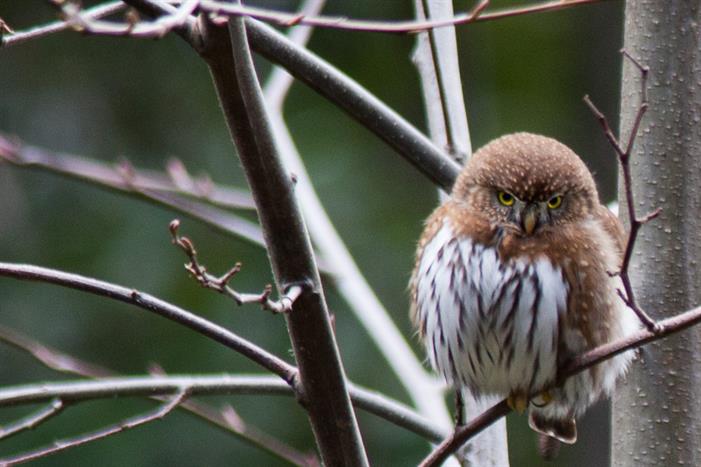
x: 526, y: 183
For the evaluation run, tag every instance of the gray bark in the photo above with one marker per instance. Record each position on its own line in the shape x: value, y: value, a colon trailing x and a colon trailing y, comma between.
x: 657, y: 416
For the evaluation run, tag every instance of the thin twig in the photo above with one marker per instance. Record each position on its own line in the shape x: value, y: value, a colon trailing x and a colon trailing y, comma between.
x: 176, y: 180
x: 221, y: 283
x: 19, y: 37
x: 76, y: 19
x: 477, y: 14
x: 222, y: 418
x: 635, y: 222
x: 32, y: 420
x: 62, y: 445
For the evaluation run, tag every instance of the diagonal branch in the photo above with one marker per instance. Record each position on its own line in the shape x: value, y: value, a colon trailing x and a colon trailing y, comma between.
x: 61, y: 445
x: 590, y: 358
x: 19, y: 37
x: 322, y: 376
x: 123, y: 176
x: 155, y: 305
x: 224, y: 418
x: 32, y: 420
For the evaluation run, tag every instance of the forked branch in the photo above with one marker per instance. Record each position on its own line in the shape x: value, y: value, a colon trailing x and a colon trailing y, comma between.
x: 221, y: 283
x: 635, y: 223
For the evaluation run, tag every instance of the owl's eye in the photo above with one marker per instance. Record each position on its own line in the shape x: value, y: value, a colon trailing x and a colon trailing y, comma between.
x: 555, y: 202
x: 507, y: 199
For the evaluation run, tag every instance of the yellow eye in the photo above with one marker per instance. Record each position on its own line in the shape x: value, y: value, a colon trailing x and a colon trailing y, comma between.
x: 555, y: 202
x: 507, y: 199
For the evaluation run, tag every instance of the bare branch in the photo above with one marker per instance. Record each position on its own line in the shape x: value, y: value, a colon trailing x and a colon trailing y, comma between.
x: 635, y: 223
x: 149, y: 303
x: 221, y: 284
x: 76, y: 19
x: 321, y: 372
x: 590, y: 358
x: 19, y: 37
x: 367, y: 109
x: 203, y: 385
x: 477, y: 14
x: 336, y: 86
x: 221, y: 418
x: 32, y: 420
x: 120, y: 427
x: 177, y: 180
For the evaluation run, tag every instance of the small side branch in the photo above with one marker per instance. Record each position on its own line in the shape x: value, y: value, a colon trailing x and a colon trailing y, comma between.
x: 32, y: 420
x: 110, y: 430
x: 221, y: 283
x: 624, y: 155
x: 73, y: 15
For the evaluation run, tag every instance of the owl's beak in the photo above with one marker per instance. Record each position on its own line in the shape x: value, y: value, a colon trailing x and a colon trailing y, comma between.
x: 529, y: 219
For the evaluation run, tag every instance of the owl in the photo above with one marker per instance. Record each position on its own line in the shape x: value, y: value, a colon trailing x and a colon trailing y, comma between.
x: 513, y: 277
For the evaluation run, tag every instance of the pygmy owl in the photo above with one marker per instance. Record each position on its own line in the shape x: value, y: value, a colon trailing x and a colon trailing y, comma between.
x: 513, y: 278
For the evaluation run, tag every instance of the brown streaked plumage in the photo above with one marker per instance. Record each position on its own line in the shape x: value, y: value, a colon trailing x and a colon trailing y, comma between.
x: 512, y: 280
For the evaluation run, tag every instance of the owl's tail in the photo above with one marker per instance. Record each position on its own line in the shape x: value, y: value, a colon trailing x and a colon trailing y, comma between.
x: 548, y: 447
x: 552, y: 433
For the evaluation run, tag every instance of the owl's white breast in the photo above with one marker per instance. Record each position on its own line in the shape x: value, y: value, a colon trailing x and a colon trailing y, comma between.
x: 488, y: 325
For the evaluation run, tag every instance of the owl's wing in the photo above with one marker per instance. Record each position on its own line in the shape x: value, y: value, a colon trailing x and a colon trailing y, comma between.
x: 613, y: 227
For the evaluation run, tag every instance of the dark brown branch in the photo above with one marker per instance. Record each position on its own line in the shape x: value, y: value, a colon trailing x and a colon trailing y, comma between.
x: 322, y: 376
x: 62, y: 445
x: 336, y: 86
x: 577, y: 365
x: 221, y: 283
x: 150, y: 303
x: 635, y: 222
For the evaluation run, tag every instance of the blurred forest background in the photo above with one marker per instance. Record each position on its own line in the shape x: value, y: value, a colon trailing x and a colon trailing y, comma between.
x: 150, y: 100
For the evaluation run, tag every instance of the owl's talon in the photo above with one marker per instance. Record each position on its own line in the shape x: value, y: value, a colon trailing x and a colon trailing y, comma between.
x: 517, y: 403
x: 543, y: 399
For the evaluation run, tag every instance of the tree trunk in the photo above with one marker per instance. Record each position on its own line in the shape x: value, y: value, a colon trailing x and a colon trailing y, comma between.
x: 657, y: 416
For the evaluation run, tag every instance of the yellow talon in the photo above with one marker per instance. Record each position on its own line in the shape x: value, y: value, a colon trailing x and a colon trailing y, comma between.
x: 543, y: 399
x: 517, y: 402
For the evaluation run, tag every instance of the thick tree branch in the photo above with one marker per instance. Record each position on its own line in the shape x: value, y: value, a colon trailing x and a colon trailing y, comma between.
x: 336, y: 86
x: 322, y: 376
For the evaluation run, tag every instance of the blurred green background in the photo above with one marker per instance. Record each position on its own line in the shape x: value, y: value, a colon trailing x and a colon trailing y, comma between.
x: 148, y: 100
